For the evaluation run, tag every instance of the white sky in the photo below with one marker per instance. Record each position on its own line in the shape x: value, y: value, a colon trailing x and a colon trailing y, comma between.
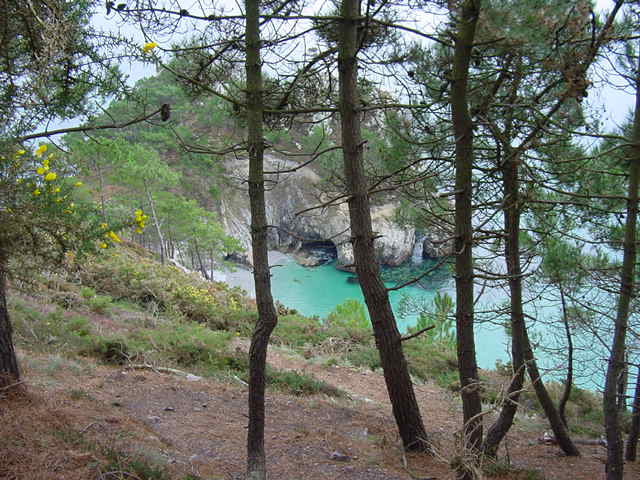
x: 612, y: 104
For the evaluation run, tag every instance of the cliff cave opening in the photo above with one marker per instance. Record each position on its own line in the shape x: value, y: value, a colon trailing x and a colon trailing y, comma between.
x: 323, y: 250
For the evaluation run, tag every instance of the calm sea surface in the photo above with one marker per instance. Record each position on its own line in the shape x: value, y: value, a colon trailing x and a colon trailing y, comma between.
x: 317, y: 291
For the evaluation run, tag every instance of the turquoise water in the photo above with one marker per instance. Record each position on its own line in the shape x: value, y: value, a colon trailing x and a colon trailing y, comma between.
x: 317, y: 290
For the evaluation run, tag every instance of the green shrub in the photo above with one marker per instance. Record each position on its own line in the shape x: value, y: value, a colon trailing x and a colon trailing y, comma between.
x: 100, y: 303
x: 87, y: 293
x: 188, y: 344
x: 297, y: 331
x: 113, y: 351
x: 47, y: 332
x: 349, y: 314
x: 78, y: 325
x: 364, y: 356
x: 300, y: 384
x: 436, y: 361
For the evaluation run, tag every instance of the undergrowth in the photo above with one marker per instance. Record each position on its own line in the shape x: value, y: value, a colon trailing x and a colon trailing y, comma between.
x: 160, y: 315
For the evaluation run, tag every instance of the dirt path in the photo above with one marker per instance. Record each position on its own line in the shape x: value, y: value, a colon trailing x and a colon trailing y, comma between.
x: 198, y: 427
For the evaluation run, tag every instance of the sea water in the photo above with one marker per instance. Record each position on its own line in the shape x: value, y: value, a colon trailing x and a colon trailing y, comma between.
x: 316, y: 291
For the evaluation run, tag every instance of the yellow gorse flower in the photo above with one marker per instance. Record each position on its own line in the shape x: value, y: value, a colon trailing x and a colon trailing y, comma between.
x: 50, y: 177
x: 104, y: 225
x: 40, y: 150
x: 37, y: 192
x: 103, y: 245
x: 140, y: 218
x: 19, y: 153
x: 114, y: 236
x: 149, y: 46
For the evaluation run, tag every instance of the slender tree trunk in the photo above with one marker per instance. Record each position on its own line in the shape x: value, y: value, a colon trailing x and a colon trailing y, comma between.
x: 387, y: 336
x: 466, y: 17
x: 200, y: 262
x: 550, y: 410
x: 568, y: 383
x: 634, y: 432
x: 622, y: 386
x: 9, y: 372
x: 511, y: 186
x: 616, y: 365
x: 193, y: 258
x: 267, y: 316
x: 156, y: 221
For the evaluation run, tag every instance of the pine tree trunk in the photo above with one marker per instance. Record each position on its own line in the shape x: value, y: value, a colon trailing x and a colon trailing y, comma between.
x: 387, y: 336
x: 267, y: 317
x: 511, y: 186
x: 568, y: 383
x: 550, y: 410
x: 466, y: 18
x: 9, y: 372
x: 616, y: 365
x: 634, y: 431
x: 156, y: 221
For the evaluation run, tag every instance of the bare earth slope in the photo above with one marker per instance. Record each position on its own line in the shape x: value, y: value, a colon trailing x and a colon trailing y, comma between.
x: 79, y: 420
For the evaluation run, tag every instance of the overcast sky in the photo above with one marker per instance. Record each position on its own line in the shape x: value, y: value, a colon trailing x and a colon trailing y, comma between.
x: 613, y: 104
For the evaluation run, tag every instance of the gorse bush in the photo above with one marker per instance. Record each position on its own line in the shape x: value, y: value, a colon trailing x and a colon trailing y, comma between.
x: 49, y: 332
x: 130, y: 273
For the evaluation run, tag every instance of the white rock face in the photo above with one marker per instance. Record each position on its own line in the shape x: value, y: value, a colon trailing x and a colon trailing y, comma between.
x: 289, y: 194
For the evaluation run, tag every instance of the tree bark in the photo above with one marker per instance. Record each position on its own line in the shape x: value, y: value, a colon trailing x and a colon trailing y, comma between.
x: 9, y: 372
x: 267, y: 316
x: 568, y: 383
x: 387, y: 336
x: 634, y: 431
x: 616, y: 365
x: 156, y: 221
x: 466, y: 18
x: 550, y: 410
x: 511, y: 186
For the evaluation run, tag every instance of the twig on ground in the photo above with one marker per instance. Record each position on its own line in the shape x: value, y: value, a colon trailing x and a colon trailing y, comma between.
x: 146, y: 366
x: 9, y: 387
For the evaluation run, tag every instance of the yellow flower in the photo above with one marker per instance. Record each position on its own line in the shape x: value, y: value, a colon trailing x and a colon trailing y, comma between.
x: 20, y: 153
x: 37, y: 192
x: 45, y: 163
x: 103, y: 225
x: 40, y: 150
x: 113, y: 236
x: 56, y: 190
x: 138, y: 230
x: 78, y: 184
x: 40, y: 171
x: 50, y: 177
x: 149, y: 46
x: 103, y: 245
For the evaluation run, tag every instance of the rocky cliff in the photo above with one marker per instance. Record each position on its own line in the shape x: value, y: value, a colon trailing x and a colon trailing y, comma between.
x: 290, y: 193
